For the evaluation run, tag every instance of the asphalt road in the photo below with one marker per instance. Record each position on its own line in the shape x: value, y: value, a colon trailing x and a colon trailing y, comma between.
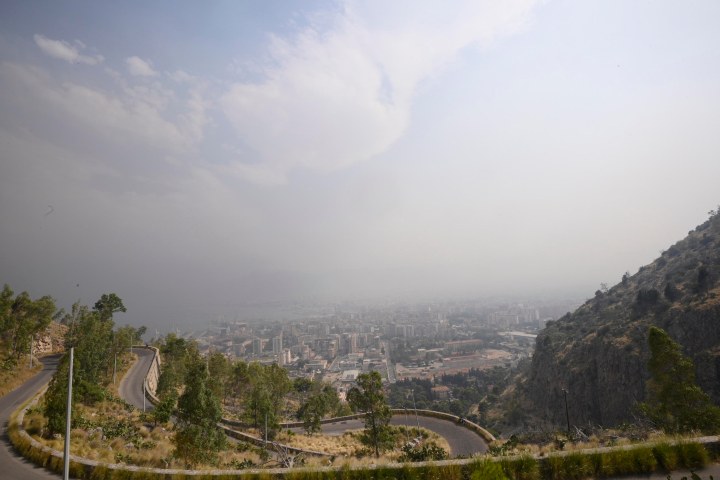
x: 13, y: 466
x: 130, y: 388
x: 461, y: 440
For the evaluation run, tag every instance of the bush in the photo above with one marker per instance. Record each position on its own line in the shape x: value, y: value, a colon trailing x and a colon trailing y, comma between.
x: 428, y: 451
x: 692, y: 455
x: 523, y: 468
x: 666, y: 456
x: 487, y: 470
x: 574, y: 466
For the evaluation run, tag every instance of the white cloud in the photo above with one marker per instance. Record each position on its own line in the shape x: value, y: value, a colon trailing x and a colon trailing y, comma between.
x: 139, y: 67
x: 138, y: 116
x: 336, y: 97
x: 65, y: 51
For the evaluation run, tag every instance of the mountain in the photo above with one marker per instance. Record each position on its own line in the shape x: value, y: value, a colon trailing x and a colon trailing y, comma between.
x: 599, y: 352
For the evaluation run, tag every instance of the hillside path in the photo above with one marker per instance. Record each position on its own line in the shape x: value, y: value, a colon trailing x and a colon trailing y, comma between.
x: 12, y: 465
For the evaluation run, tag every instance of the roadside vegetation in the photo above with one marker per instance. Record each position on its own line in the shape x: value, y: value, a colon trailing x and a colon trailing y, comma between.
x: 196, y: 391
x: 21, y: 319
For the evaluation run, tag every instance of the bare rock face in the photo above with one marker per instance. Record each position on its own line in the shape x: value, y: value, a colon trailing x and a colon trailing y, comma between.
x: 599, y: 353
x: 51, y: 340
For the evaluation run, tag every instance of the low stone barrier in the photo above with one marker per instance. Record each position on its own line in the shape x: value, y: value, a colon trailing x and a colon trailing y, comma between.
x: 487, y: 436
x: 86, y: 468
x: 261, y: 443
x: 153, y: 376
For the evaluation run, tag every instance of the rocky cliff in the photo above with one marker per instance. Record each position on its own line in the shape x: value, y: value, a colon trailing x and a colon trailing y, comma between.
x: 599, y: 352
x: 51, y: 340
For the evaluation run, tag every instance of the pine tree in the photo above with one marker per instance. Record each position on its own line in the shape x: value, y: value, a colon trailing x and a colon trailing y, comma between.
x: 198, y: 438
x: 674, y: 401
x: 368, y: 397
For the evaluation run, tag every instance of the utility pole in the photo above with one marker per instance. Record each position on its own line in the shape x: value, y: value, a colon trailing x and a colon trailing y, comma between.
x: 114, y: 367
x: 567, y: 413
x: 407, y: 424
x: 66, y: 456
x: 32, y: 338
x: 417, y: 419
x: 143, y: 396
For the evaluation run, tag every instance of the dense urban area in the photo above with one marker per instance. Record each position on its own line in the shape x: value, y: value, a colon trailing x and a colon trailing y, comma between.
x: 429, y: 354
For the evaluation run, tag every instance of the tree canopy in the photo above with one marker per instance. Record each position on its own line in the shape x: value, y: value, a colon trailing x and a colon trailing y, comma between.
x: 198, y: 438
x: 21, y: 317
x: 109, y: 304
x: 368, y: 397
x: 674, y: 401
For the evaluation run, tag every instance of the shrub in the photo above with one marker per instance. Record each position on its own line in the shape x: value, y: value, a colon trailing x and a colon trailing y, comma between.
x: 644, y: 460
x: 524, y: 467
x: 666, y: 456
x: 428, y: 451
x: 487, y: 470
x: 692, y: 455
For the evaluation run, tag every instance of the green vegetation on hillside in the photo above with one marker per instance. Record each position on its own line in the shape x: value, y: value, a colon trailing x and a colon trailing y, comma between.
x: 96, y: 344
x: 674, y: 401
x: 597, y: 356
x: 21, y: 318
x: 368, y: 397
x: 198, y: 440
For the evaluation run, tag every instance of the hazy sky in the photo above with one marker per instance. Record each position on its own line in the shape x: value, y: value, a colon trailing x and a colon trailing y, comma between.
x: 194, y: 156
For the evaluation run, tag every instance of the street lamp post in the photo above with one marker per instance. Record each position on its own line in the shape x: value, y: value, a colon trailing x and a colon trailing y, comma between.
x: 415, y: 408
x: 66, y: 457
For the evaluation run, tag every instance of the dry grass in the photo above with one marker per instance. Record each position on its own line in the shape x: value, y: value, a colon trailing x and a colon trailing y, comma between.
x: 609, y: 438
x: 349, y: 445
x: 140, y: 443
x: 11, y: 379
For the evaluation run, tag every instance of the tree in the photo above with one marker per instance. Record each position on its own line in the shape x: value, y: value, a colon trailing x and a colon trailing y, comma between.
x: 108, y: 304
x: 175, y: 353
x: 198, y: 438
x: 93, y: 341
x: 368, y: 397
x: 674, y: 401
x: 21, y: 317
x: 239, y: 380
x: 219, y: 369
x: 322, y: 400
x: 164, y: 410
x: 55, y: 398
x: 266, y: 389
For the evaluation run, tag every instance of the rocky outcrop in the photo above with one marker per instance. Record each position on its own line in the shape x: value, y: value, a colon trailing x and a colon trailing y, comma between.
x: 598, y: 354
x: 51, y: 340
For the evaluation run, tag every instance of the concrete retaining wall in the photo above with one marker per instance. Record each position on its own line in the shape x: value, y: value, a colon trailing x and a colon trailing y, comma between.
x: 153, y: 376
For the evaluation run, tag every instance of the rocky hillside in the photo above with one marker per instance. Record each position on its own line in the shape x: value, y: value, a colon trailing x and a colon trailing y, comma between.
x: 51, y: 340
x: 599, y: 352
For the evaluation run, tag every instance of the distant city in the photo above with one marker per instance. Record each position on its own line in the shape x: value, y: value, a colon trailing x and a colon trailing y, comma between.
x: 400, y: 341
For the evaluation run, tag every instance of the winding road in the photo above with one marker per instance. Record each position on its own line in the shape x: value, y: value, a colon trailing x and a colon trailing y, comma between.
x: 130, y: 388
x: 15, y: 467
x: 461, y: 440
x: 12, y: 465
